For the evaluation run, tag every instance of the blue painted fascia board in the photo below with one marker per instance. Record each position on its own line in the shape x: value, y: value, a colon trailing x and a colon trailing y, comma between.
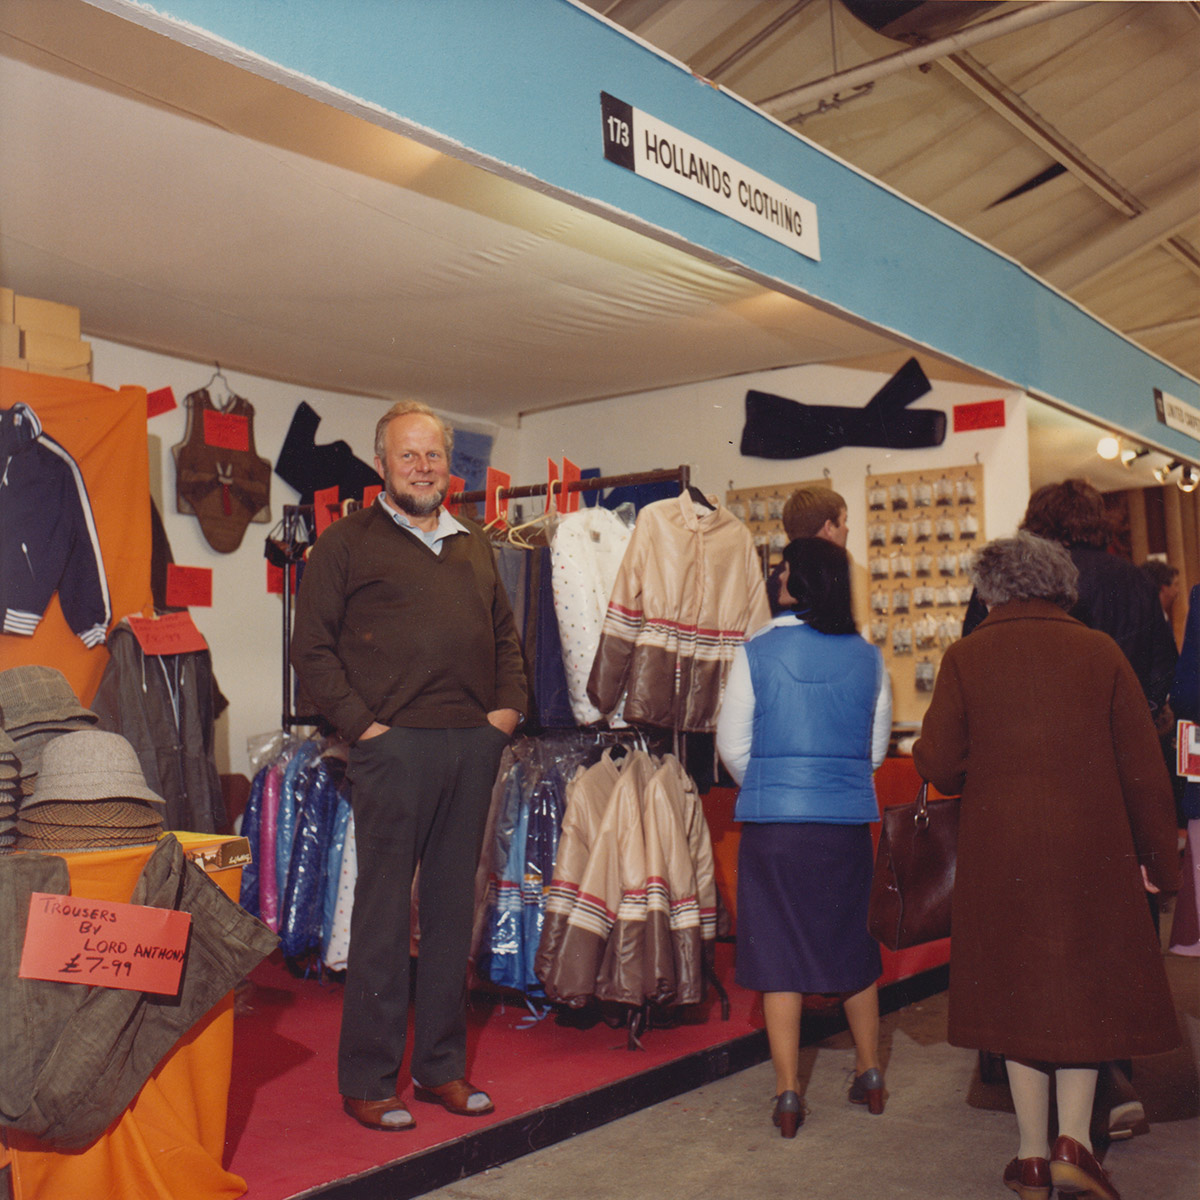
x: 518, y: 82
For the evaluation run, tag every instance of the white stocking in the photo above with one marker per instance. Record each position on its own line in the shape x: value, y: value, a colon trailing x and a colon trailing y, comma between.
x: 1031, y: 1098
x: 1075, y: 1088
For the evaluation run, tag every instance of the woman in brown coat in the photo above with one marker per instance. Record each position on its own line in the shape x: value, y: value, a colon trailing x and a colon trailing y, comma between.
x: 1067, y: 816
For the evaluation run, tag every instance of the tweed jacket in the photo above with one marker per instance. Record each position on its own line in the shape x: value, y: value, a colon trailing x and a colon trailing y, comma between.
x: 688, y: 592
x: 1043, y: 727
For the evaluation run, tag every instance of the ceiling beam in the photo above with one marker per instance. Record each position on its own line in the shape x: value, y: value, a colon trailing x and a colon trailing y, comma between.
x: 1173, y: 211
x: 787, y: 104
x: 1176, y: 326
x: 757, y: 40
x: 998, y: 96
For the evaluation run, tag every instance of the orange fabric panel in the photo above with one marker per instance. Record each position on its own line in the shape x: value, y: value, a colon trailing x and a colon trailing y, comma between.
x: 104, y: 431
x: 168, y: 1144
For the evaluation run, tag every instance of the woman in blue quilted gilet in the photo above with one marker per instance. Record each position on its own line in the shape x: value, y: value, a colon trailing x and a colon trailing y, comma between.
x: 804, y: 722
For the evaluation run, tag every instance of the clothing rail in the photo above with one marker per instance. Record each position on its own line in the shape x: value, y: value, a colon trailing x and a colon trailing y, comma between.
x: 681, y: 474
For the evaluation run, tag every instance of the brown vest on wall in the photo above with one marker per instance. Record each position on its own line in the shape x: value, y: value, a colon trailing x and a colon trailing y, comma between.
x: 218, y: 475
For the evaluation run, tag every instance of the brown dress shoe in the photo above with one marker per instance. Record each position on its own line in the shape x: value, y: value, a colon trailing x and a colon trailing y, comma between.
x: 1073, y: 1170
x: 1029, y: 1178
x: 388, y: 1114
x: 458, y: 1097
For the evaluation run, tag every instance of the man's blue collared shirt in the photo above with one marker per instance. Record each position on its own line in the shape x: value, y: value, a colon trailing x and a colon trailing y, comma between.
x: 446, y: 527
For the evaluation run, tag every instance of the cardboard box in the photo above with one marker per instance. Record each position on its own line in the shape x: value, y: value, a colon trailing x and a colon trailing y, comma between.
x: 6, y: 306
x: 215, y: 851
x: 13, y: 364
x: 49, y: 351
x: 46, y: 316
x: 84, y: 373
x: 10, y: 340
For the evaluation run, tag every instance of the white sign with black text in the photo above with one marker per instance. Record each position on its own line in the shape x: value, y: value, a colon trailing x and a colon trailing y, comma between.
x: 1176, y: 414
x: 665, y: 155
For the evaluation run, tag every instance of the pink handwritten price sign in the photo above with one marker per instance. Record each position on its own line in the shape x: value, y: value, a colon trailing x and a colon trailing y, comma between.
x: 104, y: 944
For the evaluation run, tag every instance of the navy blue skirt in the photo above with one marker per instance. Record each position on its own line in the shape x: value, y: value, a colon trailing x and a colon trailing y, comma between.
x: 803, y: 891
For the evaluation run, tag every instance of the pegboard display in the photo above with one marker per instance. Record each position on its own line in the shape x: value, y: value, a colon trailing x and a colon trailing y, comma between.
x: 923, y: 528
x: 761, y: 508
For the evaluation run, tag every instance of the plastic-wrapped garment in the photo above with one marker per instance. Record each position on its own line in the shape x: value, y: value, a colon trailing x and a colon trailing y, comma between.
x: 303, y: 913
x: 337, y: 945
x: 333, y: 866
x: 251, y: 831
x: 545, y: 806
x: 502, y: 958
x: 268, y: 888
x: 483, y: 871
x: 289, y: 804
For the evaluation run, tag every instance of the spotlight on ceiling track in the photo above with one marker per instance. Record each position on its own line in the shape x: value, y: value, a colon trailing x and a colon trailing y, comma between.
x: 1162, y: 473
x: 1188, y: 479
x: 1108, y: 447
x: 1129, y: 455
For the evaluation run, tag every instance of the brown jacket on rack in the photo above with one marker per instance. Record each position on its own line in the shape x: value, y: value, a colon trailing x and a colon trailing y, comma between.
x: 689, y: 591
x: 1043, y: 727
x: 634, y: 894
x: 680, y: 884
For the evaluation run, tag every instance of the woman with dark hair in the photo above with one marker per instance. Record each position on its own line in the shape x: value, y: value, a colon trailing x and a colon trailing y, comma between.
x: 804, y: 721
x: 1067, y: 818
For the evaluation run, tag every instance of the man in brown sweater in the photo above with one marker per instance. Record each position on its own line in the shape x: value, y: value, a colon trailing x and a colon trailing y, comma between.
x: 405, y: 641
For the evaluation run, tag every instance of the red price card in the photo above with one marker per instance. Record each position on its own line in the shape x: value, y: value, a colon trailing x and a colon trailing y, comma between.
x: 570, y: 474
x: 102, y: 943
x: 456, y: 489
x: 172, y: 633
x: 370, y: 493
x: 327, y: 508
x: 986, y: 414
x: 275, y: 579
x: 160, y: 401
x: 226, y: 431
x: 189, y: 587
x: 495, y: 510
x: 553, y: 487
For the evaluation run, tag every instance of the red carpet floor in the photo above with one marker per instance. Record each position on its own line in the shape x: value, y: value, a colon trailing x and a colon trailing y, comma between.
x: 287, y: 1133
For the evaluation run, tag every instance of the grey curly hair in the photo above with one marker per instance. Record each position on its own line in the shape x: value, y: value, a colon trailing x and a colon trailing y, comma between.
x: 1025, y: 567
x: 402, y: 408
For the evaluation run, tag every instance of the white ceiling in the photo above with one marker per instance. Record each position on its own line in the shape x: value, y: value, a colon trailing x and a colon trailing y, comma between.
x: 191, y: 207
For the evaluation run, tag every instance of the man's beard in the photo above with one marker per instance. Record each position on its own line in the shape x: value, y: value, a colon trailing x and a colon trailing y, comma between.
x: 415, y: 506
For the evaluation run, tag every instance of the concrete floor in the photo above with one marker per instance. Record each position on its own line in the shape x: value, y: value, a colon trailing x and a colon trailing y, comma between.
x: 943, y: 1134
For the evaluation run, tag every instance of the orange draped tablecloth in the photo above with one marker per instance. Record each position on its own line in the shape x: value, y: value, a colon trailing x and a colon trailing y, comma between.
x: 168, y: 1144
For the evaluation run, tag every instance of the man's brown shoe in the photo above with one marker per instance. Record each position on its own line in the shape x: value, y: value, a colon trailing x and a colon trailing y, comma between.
x: 458, y: 1097
x: 389, y: 1114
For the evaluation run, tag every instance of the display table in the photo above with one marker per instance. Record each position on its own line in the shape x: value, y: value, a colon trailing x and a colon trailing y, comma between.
x: 168, y: 1144
x: 896, y: 782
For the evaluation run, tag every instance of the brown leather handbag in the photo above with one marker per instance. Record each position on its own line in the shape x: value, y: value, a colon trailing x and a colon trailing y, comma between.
x: 914, y: 872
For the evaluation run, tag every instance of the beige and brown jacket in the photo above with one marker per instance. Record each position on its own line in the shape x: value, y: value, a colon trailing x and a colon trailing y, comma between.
x: 688, y: 593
